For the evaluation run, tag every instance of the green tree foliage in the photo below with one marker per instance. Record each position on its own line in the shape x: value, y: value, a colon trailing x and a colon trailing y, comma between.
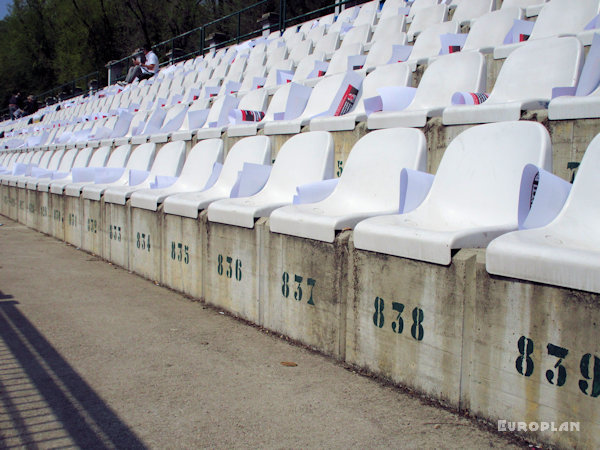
x: 45, y: 43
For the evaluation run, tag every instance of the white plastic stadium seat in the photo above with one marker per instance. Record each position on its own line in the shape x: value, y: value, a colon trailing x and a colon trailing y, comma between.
x: 98, y: 159
x: 254, y: 149
x: 369, y: 186
x: 468, y: 10
x: 473, y: 198
x: 195, y: 174
x: 168, y: 163
x: 428, y: 43
x: 566, y: 251
x: 81, y: 160
x: 304, y: 158
x: 489, y: 30
x: 425, y: 18
x: 519, y: 86
x: 457, y: 72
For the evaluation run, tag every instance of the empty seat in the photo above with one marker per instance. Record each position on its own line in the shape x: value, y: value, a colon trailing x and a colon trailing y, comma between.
x: 304, y: 158
x: 172, y: 122
x: 564, y: 252
x: 467, y: 10
x: 328, y: 44
x: 519, y: 85
x: 168, y: 163
x: 141, y: 158
x: 557, y: 18
x: 472, y: 200
x: 81, y: 159
x: 427, y: 17
x: 253, y: 101
x: 254, y: 149
x: 489, y: 30
x: 388, y: 30
x: 367, y: 14
x: 428, y: 43
x: 369, y: 186
x: 43, y: 164
x: 320, y: 102
x: 382, y: 51
x: 463, y: 72
x: 195, y: 174
x: 117, y: 159
x: 99, y: 158
x: 346, y: 16
x: 356, y: 35
x: 391, y: 8
x: 398, y: 74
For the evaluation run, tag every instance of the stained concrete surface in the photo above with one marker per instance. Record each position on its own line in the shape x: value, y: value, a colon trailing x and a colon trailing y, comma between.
x: 92, y: 356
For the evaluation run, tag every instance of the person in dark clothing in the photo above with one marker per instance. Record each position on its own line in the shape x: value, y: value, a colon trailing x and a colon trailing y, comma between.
x: 14, y: 106
x: 31, y: 106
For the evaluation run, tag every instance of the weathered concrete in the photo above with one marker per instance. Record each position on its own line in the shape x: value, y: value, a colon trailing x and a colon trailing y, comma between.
x: 76, y: 226
x: 535, y: 357
x: 110, y: 360
x: 303, y: 285
x: 231, y: 270
x: 116, y: 233
x: 45, y: 222
x: 13, y: 201
x: 69, y: 220
x: 183, y: 257
x: 405, y: 320
x: 145, y: 246
x: 92, y: 238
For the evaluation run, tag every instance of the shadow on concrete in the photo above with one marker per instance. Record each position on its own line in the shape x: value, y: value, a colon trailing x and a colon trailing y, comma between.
x: 67, y: 408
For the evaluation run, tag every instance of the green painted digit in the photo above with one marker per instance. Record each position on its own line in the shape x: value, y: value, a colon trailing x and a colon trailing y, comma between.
x: 173, y: 250
x: 524, y: 363
x: 584, y: 365
x: 311, y: 283
x: 285, y: 288
x: 220, y: 264
x: 179, y: 255
x: 416, y: 330
x: 378, y: 318
x: 560, y: 353
x: 229, y: 271
x: 298, y: 291
x: 238, y: 269
x: 398, y: 326
x: 138, y: 243
x: 186, y: 258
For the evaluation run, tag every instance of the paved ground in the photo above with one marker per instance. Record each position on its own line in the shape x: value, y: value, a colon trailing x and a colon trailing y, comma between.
x: 94, y: 357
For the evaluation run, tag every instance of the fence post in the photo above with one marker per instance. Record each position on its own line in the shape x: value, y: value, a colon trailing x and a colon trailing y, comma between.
x: 202, y: 44
x: 282, y: 8
x: 238, y: 28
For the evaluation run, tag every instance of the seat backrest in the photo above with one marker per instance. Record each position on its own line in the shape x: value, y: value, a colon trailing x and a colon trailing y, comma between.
x: 36, y: 158
x: 398, y: 74
x: 300, y: 50
x: 45, y: 160
x: 372, y: 171
x: 427, y: 17
x: 119, y: 156
x: 520, y: 3
x: 328, y: 43
x: 428, y: 42
x: 339, y: 60
x: 254, y: 100
x: 471, y: 9
x: 356, y: 35
x: 367, y: 14
x: 99, y: 157
x: 322, y: 95
x: 142, y: 156
x: 457, y: 72
x: 382, y: 50
x: 479, y: 176
x: 389, y: 28
x: 253, y: 149
x: 490, y: 29
x: 306, y: 66
x: 216, y: 109
x: 559, y: 59
x: 560, y: 17
x: 83, y: 157
x: 199, y: 162
x: 169, y: 160
x: 67, y: 160
x: 304, y: 158
x: 582, y: 201
x: 271, y: 80
x: 316, y: 34
x: 390, y: 9
x: 420, y: 4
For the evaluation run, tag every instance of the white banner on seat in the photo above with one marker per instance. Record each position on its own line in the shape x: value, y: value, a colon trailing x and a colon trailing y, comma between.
x: 196, y: 119
x: 237, y: 116
x: 314, y: 192
x: 258, y: 82
x: 452, y: 42
x: 122, y: 125
x: 38, y: 172
x: 542, y: 195
x: 137, y: 176
x: 590, y: 74
x: 81, y: 174
x: 345, y: 97
x: 174, y: 123
x: 251, y: 179
x: 400, y: 53
x: 162, y: 181
x: 284, y: 76
x: 594, y: 23
x: 296, y: 102
x: 414, y: 187
x: 232, y: 87
x: 520, y: 31
x: 390, y: 98
x: 214, y: 175
x: 319, y: 70
x: 356, y: 62
x: 469, y: 98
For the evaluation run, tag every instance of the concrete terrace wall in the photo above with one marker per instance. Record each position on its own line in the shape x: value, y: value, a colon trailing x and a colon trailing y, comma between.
x: 499, y: 348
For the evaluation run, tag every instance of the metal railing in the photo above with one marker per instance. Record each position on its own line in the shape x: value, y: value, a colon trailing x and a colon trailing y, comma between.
x: 238, y: 24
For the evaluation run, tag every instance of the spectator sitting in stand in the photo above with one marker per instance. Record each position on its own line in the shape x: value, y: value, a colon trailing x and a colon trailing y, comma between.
x: 14, y: 106
x: 145, y: 67
x: 31, y: 106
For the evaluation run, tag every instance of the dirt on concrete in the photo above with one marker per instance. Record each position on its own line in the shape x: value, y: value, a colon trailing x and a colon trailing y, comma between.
x: 92, y: 356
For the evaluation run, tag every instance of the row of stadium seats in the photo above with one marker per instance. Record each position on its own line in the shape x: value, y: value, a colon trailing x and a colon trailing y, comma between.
x: 424, y: 217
